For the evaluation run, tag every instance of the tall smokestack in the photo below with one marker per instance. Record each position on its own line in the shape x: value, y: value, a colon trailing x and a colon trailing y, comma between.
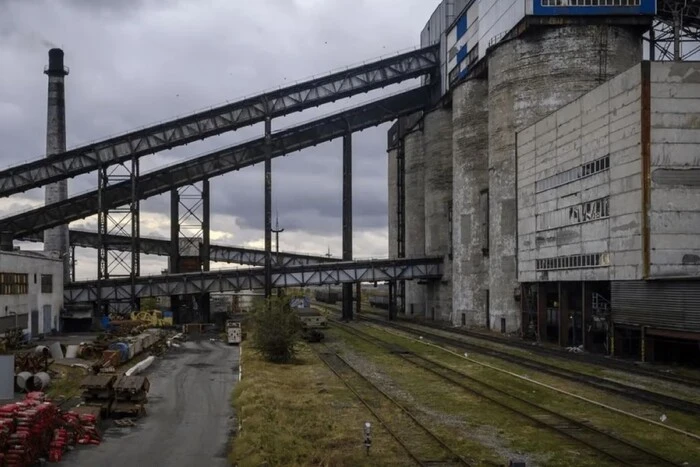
x: 56, y: 239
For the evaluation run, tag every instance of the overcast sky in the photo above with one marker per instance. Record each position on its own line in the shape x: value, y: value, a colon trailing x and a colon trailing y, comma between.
x: 134, y: 62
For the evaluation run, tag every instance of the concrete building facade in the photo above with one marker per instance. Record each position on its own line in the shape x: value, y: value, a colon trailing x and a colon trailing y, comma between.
x: 31, y: 291
x: 609, y: 214
x: 530, y: 77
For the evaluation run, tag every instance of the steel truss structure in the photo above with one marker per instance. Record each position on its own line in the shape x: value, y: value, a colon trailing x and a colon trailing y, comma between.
x: 189, y: 239
x: 221, y: 162
x: 676, y: 31
x: 161, y: 247
x: 248, y: 279
x: 121, y: 224
x: 211, y: 122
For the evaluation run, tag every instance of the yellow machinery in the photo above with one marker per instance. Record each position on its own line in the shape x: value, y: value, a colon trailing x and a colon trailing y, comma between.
x: 154, y: 318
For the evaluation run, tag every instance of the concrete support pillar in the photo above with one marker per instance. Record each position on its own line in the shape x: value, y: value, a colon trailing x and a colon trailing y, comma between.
x: 470, y: 159
x: 347, y: 220
x: 358, y: 298
x: 415, y: 216
x: 438, y: 207
x: 56, y: 239
x: 393, y: 206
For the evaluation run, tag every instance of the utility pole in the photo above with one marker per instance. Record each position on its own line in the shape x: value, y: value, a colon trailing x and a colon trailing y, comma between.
x: 328, y: 255
x: 277, y: 231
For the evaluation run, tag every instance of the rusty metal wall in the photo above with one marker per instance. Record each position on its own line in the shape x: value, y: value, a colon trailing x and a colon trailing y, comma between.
x: 8, y: 322
x: 7, y: 377
x: 668, y: 304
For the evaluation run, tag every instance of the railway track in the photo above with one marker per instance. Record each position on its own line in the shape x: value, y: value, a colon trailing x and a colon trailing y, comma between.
x: 613, y: 387
x: 619, y: 450
x: 398, y: 420
x: 594, y: 359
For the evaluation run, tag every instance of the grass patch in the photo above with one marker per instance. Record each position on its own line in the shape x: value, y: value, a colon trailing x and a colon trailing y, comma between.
x: 301, y: 414
x: 66, y: 384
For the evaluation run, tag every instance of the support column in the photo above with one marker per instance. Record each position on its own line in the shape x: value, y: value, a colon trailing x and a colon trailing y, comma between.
x: 401, y: 209
x: 541, y: 311
x: 358, y: 298
x: 174, y: 249
x: 563, y: 315
x: 392, y: 301
x: 135, y: 232
x: 205, y: 299
x: 268, y: 207
x: 347, y: 220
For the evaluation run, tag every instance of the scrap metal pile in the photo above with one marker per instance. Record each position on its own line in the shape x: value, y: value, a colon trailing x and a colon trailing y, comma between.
x: 35, y: 429
x: 116, y: 396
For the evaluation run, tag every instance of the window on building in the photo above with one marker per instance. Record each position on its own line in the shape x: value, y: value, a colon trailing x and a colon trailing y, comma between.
x: 46, y: 283
x: 568, y: 176
x: 14, y: 284
x: 568, y: 3
x: 573, y: 262
x: 484, y: 220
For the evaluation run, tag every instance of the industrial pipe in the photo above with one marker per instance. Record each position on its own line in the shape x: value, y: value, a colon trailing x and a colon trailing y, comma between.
x: 22, y: 378
x: 39, y: 381
x: 140, y: 366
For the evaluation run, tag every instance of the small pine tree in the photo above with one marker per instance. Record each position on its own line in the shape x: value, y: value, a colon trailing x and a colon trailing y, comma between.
x: 276, y: 329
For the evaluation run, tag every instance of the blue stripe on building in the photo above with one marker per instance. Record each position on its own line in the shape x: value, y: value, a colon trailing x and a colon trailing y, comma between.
x: 462, y: 53
x: 462, y: 26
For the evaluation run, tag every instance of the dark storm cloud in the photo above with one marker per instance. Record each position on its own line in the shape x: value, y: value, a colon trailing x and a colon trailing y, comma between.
x: 141, y: 61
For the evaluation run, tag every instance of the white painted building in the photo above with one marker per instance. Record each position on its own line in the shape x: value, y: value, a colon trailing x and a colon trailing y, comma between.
x: 31, y: 291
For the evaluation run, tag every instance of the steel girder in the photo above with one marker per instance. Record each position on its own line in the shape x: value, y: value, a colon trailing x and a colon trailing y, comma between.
x: 156, y: 246
x: 219, y: 120
x: 242, y: 279
x: 221, y: 162
x: 676, y: 30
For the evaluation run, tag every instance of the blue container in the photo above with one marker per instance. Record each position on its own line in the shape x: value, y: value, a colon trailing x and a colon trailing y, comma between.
x: 167, y: 314
x: 123, y: 350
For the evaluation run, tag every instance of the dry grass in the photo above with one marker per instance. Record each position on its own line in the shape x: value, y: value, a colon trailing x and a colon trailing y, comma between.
x: 302, y: 414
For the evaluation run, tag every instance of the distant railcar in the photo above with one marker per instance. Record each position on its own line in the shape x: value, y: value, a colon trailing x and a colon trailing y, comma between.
x: 379, y: 301
x: 324, y: 296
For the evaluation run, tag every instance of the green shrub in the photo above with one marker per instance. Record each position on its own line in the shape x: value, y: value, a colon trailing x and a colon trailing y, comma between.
x: 276, y: 329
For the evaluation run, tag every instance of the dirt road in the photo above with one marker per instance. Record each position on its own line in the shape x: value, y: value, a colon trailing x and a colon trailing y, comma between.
x: 189, y: 414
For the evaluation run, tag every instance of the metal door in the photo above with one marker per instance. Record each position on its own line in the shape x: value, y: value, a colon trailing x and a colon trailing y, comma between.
x: 35, y: 323
x: 47, y: 319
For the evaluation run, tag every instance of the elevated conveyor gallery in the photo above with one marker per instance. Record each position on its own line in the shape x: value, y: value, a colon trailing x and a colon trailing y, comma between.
x: 220, y: 162
x: 162, y: 247
x: 242, y: 279
x: 219, y: 120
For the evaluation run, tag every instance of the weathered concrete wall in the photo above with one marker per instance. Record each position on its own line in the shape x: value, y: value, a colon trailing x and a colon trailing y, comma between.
x: 41, y: 308
x: 415, y: 216
x: 529, y: 78
x: 393, y: 199
x: 470, y: 180
x: 674, y: 215
x: 577, y: 212
x: 438, y: 207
